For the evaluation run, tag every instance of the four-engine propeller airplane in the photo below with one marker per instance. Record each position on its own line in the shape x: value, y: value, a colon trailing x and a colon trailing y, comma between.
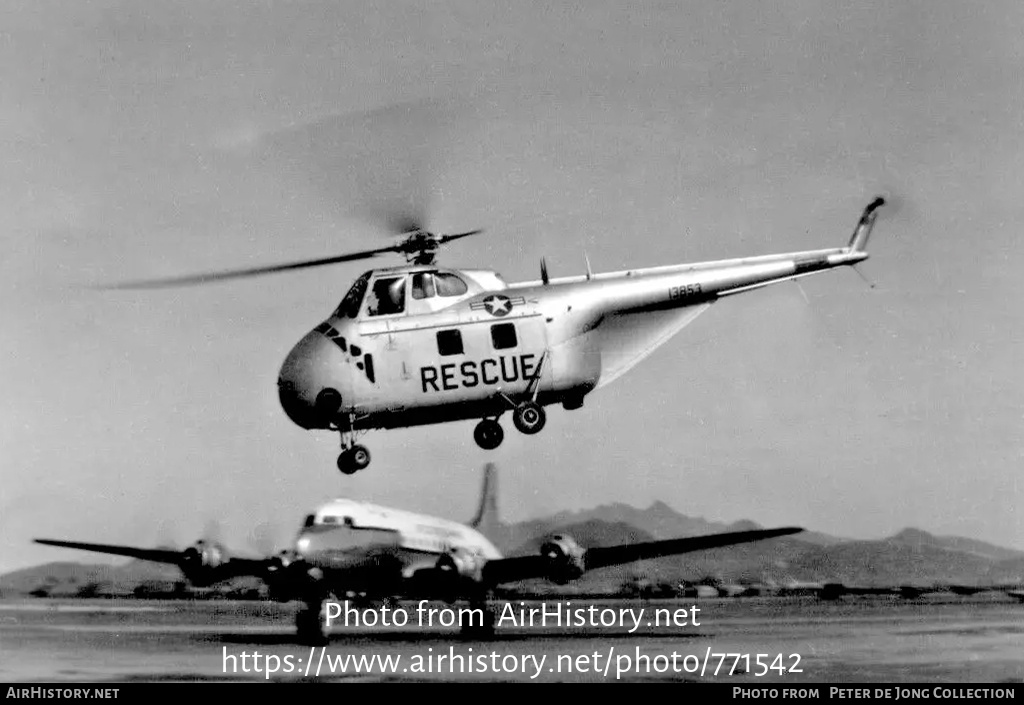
x: 346, y: 546
x: 420, y: 344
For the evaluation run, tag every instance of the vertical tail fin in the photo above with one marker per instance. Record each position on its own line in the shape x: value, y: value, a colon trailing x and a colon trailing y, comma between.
x: 486, y: 519
x: 859, y: 239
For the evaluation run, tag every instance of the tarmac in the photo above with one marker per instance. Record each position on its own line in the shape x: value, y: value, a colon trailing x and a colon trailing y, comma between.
x: 774, y: 641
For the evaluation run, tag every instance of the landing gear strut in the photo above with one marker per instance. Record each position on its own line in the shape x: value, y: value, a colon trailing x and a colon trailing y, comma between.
x: 311, y: 623
x: 488, y: 434
x: 353, y: 457
x: 480, y: 623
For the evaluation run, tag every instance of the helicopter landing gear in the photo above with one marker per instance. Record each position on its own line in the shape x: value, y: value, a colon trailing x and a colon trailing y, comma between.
x: 353, y: 459
x: 488, y: 434
x: 529, y: 417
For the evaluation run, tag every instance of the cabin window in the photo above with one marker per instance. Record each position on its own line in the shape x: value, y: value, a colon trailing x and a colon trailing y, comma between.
x: 503, y: 336
x: 449, y: 285
x: 449, y: 342
x: 349, y: 306
x: 422, y: 285
x: 387, y: 297
x: 329, y: 520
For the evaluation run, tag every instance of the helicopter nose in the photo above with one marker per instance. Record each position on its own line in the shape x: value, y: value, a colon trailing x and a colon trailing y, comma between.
x: 307, y: 386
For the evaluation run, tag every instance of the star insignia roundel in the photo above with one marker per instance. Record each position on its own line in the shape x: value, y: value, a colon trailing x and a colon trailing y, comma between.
x: 498, y: 305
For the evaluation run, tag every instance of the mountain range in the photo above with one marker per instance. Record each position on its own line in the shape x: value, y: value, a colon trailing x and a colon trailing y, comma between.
x: 911, y: 557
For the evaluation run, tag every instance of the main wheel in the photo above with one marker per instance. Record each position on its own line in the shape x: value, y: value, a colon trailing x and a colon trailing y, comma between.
x: 529, y: 417
x: 488, y: 434
x: 360, y: 457
x: 311, y: 624
x: 345, y: 463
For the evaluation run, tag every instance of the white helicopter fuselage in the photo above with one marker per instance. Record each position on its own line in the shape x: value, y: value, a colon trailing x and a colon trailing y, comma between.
x: 478, y: 352
x: 421, y: 345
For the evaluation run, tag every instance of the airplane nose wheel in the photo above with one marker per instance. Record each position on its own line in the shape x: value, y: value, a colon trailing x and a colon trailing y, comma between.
x: 488, y: 434
x: 353, y: 459
x: 529, y: 417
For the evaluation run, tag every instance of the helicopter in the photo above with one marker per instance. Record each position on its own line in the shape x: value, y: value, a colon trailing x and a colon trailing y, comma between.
x: 421, y: 344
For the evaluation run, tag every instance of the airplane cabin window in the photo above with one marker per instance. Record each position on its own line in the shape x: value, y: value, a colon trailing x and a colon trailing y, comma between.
x: 449, y: 285
x: 349, y: 306
x: 503, y: 336
x: 387, y: 297
x: 422, y: 285
x: 449, y: 342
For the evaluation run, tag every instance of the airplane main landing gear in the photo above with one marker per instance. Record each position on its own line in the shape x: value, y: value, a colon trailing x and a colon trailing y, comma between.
x: 529, y: 417
x: 488, y: 434
x: 311, y: 623
x: 353, y: 459
x: 480, y: 624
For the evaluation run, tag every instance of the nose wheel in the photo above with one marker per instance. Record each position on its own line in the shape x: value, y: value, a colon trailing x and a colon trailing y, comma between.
x: 353, y: 459
x: 488, y: 434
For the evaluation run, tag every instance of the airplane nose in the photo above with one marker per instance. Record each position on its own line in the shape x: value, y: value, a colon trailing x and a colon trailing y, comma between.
x: 307, y: 385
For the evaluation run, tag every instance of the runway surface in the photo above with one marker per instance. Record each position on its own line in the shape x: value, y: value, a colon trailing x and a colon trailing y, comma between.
x: 800, y: 640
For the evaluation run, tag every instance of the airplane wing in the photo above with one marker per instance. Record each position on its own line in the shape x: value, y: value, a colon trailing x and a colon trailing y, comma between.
x: 202, y: 564
x: 157, y: 555
x: 505, y: 570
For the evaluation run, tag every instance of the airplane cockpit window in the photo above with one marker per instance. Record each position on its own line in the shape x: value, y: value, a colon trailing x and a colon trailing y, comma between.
x: 387, y: 297
x: 422, y: 285
x: 349, y: 306
x: 449, y: 284
x: 310, y: 520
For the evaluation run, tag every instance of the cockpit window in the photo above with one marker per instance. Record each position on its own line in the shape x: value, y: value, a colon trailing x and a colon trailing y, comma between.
x: 449, y: 284
x: 422, y: 285
x: 387, y: 297
x: 349, y: 306
x: 310, y: 520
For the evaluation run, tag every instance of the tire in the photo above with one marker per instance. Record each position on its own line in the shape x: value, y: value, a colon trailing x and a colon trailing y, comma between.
x: 359, y: 457
x: 488, y: 434
x: 529, y: 417
x: 345, y: 463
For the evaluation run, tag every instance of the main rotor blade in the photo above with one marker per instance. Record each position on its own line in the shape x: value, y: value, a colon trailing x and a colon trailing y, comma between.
x: 456, y: 236
x: 243, y: 273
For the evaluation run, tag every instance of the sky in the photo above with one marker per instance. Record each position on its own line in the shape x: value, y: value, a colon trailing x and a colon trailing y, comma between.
x: 145, y: 139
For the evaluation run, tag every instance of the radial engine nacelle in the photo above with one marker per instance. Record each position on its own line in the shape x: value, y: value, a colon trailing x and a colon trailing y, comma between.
x: 200, y: 562
x: 565, y: 559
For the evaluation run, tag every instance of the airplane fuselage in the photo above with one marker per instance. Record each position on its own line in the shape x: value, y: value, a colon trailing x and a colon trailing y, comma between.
x: 366, y: 548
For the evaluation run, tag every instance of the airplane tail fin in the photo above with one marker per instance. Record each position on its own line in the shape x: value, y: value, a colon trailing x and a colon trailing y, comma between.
x: 859, y: 239
x: 486, y: 518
